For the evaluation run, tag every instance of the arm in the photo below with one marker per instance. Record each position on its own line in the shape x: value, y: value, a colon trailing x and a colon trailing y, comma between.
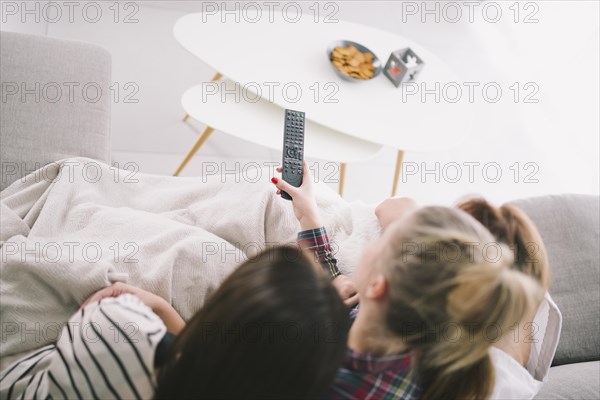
x: 313, y: 235
x: 159, y: 306
x: 393, y: 209
x: 317, y: 241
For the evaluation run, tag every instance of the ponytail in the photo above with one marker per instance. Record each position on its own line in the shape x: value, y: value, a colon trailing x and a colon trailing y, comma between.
x: 485, y: 303
x: 472, y: 382
x: 511, y: 226
x: 530, y: 253
x: 446, y: 285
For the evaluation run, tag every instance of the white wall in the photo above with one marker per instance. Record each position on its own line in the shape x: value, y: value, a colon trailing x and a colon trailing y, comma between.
x: 23, y: 17
x: 556, y: 139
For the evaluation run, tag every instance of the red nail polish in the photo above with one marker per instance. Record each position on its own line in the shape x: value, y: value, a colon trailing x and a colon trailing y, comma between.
x: 274, y: 180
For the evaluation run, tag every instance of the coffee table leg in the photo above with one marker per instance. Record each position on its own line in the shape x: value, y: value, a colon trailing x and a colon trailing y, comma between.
x: 214, y: 78
x: 399, y: 158
x: 203, y: 137
x: 342, y: 179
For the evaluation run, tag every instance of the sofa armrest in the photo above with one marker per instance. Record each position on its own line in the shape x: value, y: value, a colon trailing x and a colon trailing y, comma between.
x: 569, y: 225
x: 55, y: 103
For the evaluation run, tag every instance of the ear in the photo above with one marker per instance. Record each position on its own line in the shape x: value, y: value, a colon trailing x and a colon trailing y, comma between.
x: 377, y: 287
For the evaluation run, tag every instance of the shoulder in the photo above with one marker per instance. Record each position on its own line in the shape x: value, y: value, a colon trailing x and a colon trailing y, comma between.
x: 366, y: 375
x: 512, y: 380
x: 27, y: 374
x: 108, y: 350
x: 123, y: 323
x: 105, y: 350
x: 125, y: 314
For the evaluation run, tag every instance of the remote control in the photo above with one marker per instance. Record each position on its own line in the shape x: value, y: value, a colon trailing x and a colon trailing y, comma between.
x: 293, y: 149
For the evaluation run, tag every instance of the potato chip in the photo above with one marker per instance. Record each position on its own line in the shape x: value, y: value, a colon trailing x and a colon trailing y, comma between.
x: 352, y: 62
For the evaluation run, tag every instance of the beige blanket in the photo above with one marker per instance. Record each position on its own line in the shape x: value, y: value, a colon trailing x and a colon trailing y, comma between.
x: 68, y: 226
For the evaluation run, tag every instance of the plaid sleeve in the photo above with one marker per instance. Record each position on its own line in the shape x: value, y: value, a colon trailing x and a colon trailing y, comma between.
x: 317, y: 241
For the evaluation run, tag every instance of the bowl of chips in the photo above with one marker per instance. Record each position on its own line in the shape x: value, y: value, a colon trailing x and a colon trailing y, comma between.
x: 352, y: 61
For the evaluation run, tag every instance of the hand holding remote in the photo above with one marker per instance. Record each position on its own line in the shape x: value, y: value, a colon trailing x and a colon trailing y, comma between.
x: 303, y: 199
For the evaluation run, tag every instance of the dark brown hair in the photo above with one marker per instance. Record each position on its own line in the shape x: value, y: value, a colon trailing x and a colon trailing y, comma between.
x: 511, y: 226
x: 276, y: 328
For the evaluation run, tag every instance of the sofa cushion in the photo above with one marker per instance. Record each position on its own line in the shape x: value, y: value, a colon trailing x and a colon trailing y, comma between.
x: 572, y: 381
x: 55, y: 104
x: 569, y: 226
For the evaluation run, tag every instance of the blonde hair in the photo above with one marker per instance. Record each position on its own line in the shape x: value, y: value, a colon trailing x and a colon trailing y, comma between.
x: 511, y: 225
x: 452, y: 296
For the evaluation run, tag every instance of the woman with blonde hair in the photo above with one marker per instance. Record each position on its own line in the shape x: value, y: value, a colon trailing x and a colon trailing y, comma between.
x: 523, y: 358
x: 523, y: 362
x: 436, y: 291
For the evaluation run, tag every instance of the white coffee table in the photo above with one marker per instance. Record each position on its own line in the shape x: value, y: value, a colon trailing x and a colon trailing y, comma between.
x: 261, y: 123
x: 261, y: 53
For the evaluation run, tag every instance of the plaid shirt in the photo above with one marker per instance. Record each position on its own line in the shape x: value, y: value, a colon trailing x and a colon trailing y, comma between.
x: 316, y: 240
x: 363, y: 376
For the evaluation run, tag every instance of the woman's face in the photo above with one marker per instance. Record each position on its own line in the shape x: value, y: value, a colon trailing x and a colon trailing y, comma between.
x: 367, y: 264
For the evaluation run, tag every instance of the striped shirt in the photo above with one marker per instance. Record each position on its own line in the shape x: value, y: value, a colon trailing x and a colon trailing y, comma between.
x: 105, y: 351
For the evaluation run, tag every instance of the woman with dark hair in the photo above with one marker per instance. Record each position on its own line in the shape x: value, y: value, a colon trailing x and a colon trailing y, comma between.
x: 276, y: 328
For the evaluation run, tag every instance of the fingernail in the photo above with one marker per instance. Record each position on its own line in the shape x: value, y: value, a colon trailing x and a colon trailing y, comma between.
x: 274, y: 180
